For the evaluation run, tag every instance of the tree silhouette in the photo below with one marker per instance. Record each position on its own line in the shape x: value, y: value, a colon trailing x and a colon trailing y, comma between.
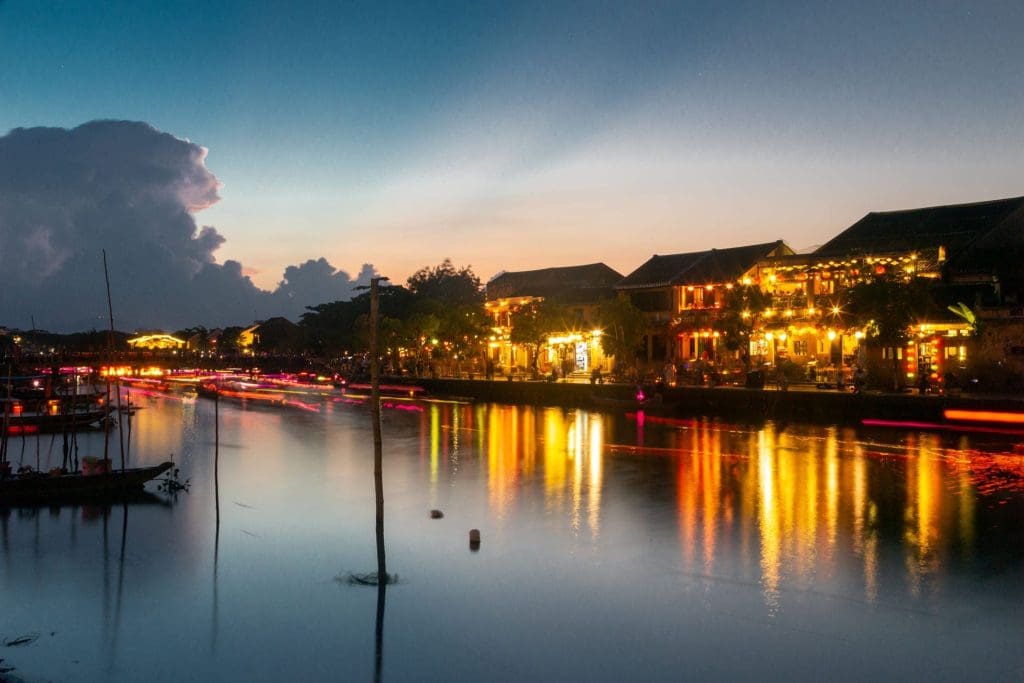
x: 741, y: 314
x: 886, y: 309
x: 624, y: 325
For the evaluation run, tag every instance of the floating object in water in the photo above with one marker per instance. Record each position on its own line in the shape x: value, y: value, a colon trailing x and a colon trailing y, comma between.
x: 436, y: 514
x: 474, y: 539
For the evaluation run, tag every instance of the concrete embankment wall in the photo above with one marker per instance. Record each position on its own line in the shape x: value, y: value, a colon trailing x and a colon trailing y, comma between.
x: 819, y: 406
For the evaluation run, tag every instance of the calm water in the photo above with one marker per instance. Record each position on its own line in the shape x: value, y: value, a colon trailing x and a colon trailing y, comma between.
x: 612, y: 550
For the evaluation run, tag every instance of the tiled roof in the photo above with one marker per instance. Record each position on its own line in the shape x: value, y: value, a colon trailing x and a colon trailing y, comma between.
x: 701, y: 267
x: 568, y: 283
x: 956, y: 227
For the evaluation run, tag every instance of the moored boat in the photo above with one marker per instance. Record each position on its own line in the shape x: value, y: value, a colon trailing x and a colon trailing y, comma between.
x: 42, y: 488
x: 54, y: 415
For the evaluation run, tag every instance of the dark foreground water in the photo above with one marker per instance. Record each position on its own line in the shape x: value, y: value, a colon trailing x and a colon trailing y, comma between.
x: 612, y: 550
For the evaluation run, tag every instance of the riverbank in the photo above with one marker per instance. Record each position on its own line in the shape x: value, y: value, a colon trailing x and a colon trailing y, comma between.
x: 821, y: 406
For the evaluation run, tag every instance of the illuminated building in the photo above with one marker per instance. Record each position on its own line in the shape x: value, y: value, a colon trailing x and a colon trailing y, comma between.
x: 681, y: 296
x: 573, y: 340
x: 970, y: 253
x: 155, y: 341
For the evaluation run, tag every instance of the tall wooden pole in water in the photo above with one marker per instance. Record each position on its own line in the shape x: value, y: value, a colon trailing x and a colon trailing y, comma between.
x: 216, y: 457
x: 378, y: 477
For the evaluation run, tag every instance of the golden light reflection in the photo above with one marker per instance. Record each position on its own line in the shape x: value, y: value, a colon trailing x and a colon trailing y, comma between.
x: 595, y: 473
x: 788, y: 508
x: 555, y: 447
x: 768, y: 520
x: 435, y: 441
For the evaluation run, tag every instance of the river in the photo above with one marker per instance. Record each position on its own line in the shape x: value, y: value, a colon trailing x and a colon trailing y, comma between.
x: 613, y: 548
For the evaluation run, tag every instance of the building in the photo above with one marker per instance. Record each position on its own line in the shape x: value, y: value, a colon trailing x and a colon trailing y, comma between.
x: 274, y: 335
x: 156, y: 341
x: 573, y: 342
x: 681, y: 296
x: 969, y: 252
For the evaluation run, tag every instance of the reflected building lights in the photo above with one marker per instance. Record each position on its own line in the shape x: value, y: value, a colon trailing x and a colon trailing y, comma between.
x: 595, y: 472
x: 768, y: 520
x: 791, y: 508
x: 435, y: 441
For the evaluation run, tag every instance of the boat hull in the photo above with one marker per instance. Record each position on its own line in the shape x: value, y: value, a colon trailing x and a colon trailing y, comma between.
x: 44, y: 489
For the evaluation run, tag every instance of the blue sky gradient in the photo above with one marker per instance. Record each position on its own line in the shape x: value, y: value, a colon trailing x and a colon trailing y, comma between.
x: 525, y: 135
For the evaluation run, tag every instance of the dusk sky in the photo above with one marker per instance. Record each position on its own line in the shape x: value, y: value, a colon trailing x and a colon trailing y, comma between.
x: 518, y: 135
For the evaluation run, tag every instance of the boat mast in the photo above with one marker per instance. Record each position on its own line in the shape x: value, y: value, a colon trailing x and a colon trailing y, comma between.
x: 110, y: 355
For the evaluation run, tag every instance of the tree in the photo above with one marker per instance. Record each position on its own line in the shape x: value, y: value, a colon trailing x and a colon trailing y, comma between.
x: 886, y: 308
x: 624, y: 326
x: 533, y: 323
x: 445, y: 282
x: 964, y: 312
x: 453, y: 296
x: 741, y: 313
x: 201, y: 335
x: 228, y: 341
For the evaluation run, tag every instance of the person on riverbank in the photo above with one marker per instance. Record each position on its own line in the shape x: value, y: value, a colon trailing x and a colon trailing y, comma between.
x: 669, y: 374
x: 860, y: 379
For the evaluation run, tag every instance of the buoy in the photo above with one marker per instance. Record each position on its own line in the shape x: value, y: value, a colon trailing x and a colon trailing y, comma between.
x: 436, y: 514
x: 474, y: 539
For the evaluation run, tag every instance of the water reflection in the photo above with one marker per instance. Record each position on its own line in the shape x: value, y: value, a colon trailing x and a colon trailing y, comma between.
x: 690, y: 534
x: 806, y: 505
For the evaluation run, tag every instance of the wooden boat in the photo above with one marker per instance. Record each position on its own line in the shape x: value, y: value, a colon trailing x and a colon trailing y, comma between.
x: 54, y: 415
x: 38, y: 422
x: 42, y: 488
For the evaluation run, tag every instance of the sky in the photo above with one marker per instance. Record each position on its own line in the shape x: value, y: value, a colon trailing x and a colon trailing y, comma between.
x: 512, y: 135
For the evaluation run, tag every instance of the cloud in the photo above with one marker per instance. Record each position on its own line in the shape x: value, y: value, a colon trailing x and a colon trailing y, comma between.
x: 316, y: 281
x: 68, y: 194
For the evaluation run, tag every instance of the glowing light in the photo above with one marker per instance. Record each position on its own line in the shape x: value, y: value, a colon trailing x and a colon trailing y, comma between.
x: 983, y: 416
x: 831, y: 335
x: 156, y: 341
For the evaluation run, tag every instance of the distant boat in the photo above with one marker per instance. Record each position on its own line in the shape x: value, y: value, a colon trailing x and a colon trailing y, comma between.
x: 40, y: 488
x: 55, y: 415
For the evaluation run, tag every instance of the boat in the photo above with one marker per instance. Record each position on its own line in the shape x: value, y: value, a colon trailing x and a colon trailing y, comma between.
x: 55, y: 415
x: 42, y: 488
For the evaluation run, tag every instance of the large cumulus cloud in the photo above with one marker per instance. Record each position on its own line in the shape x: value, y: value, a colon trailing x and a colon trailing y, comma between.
x: 65, y: 195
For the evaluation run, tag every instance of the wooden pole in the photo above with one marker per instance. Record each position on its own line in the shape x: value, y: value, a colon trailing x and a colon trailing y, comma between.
x: 378, y: 477
x: 216, y: 456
